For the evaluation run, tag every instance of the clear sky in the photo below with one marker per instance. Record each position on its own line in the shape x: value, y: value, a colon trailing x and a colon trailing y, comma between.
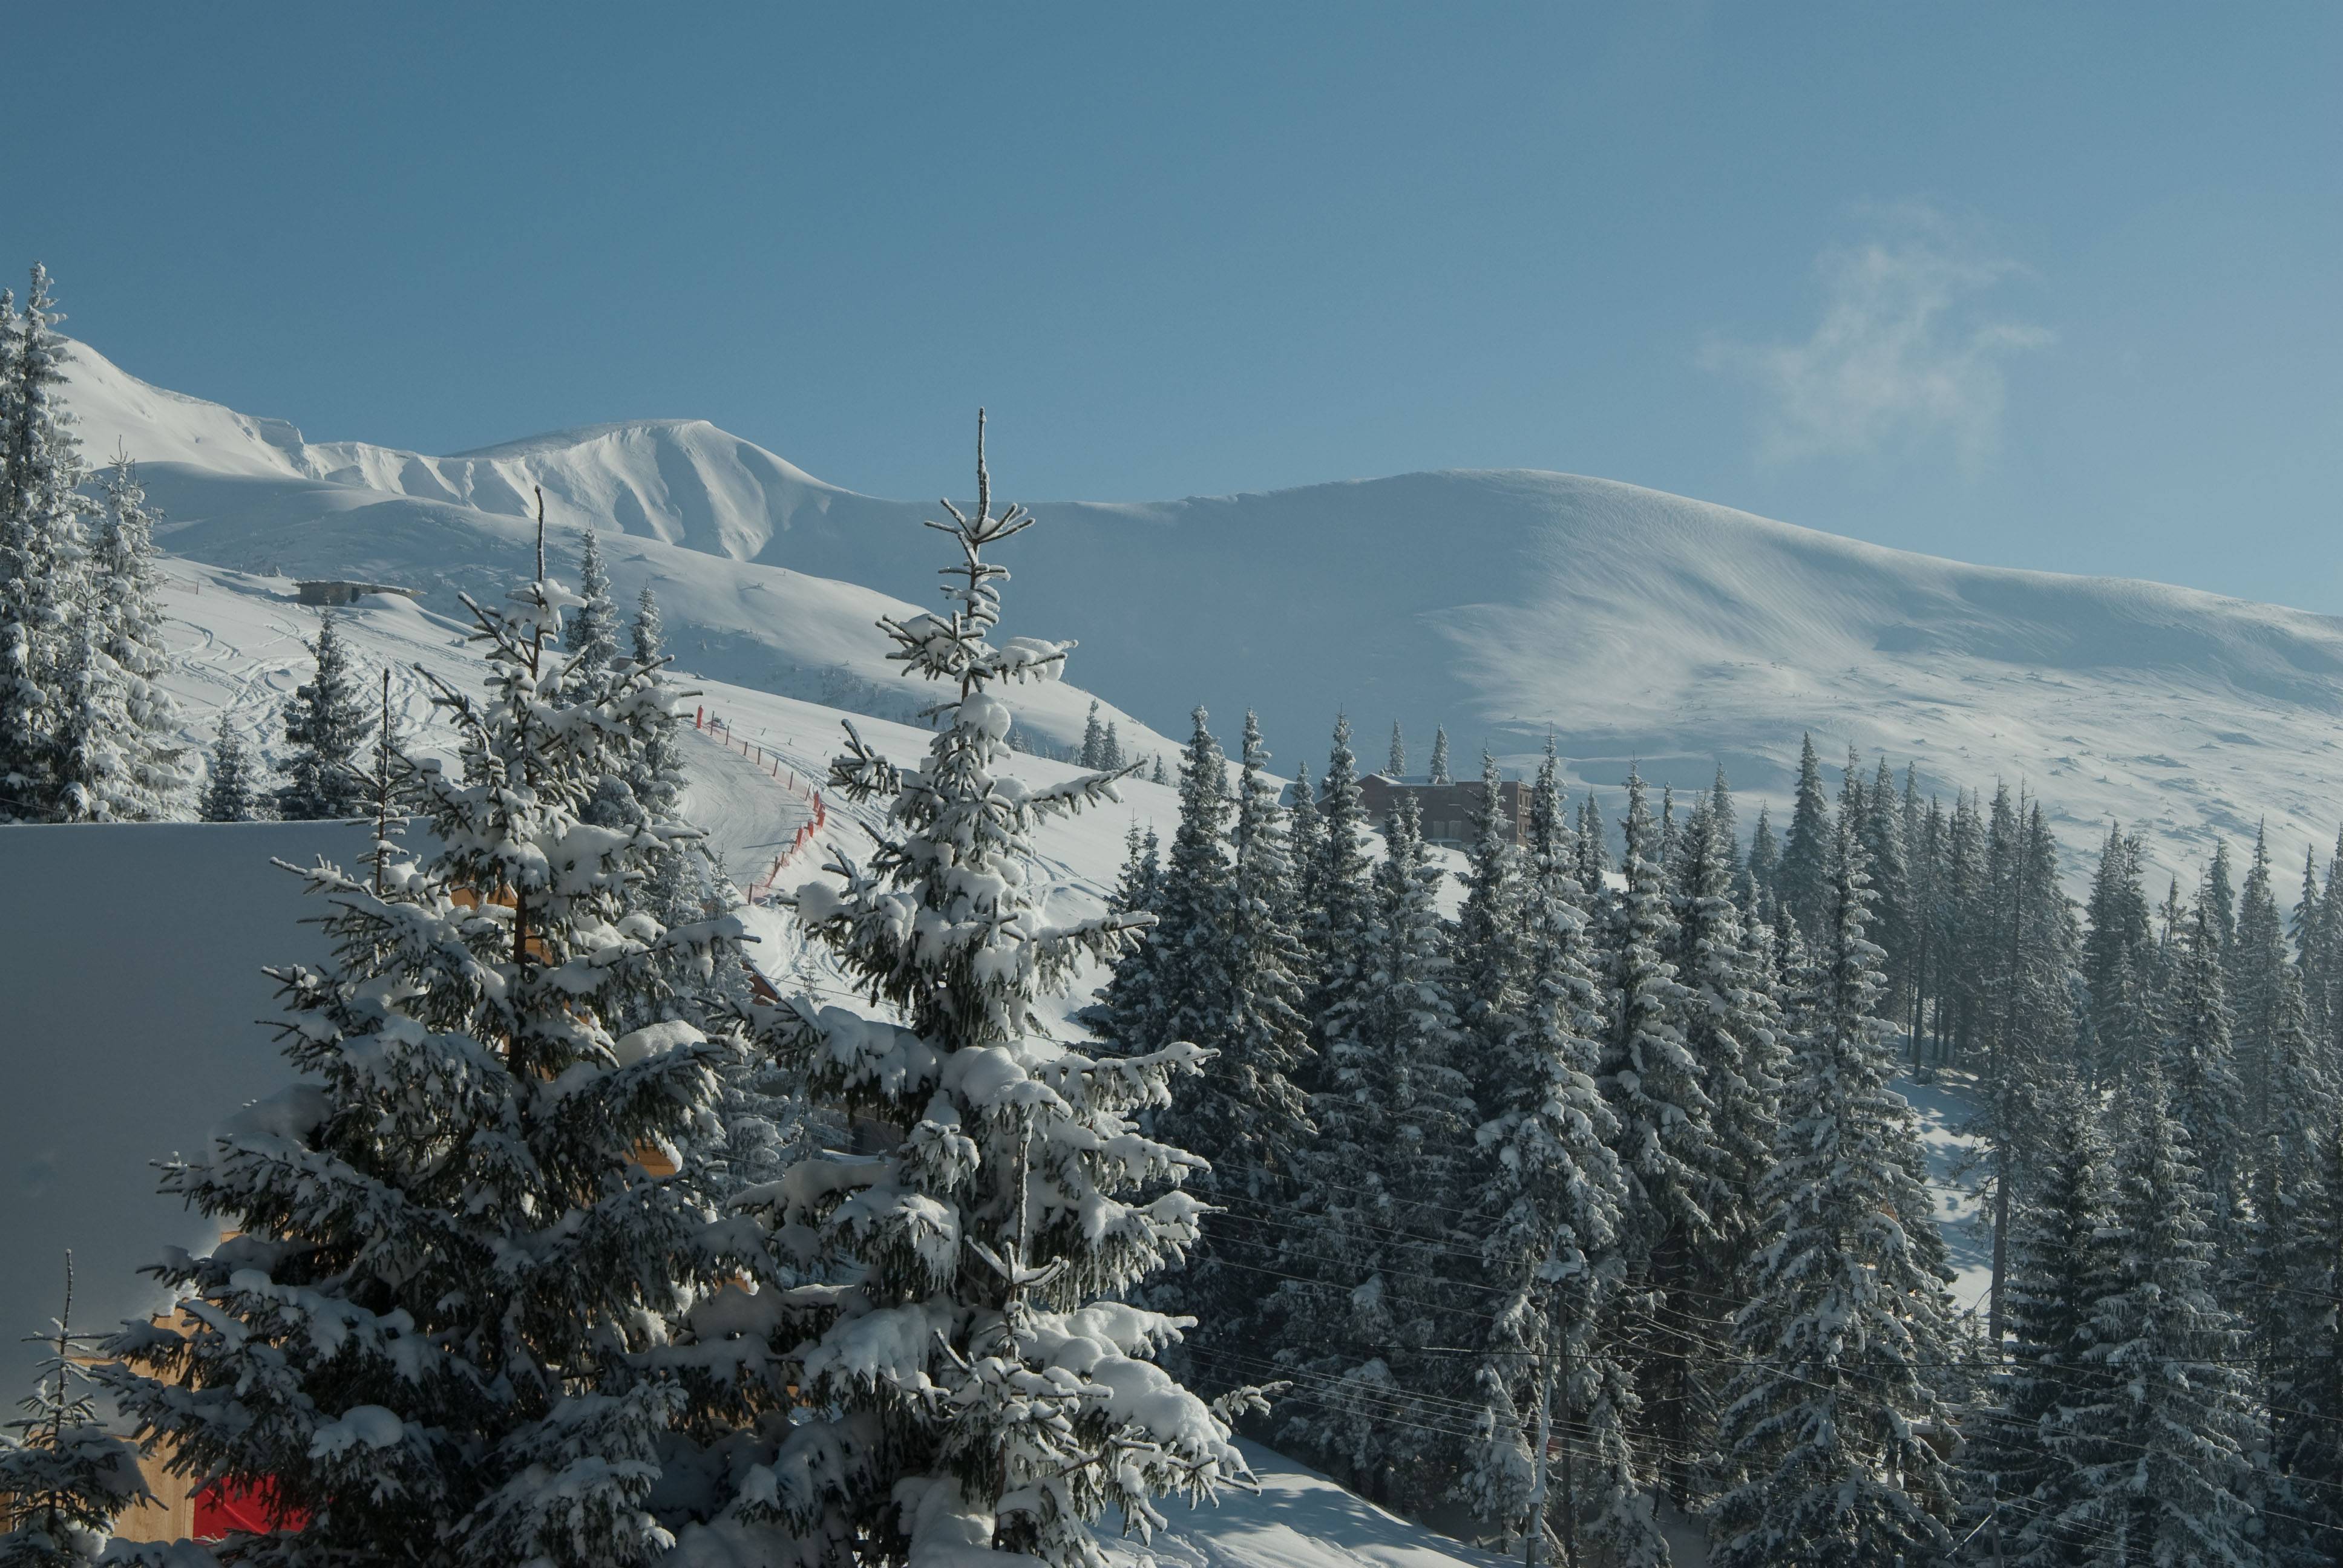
x: 2050, y: 286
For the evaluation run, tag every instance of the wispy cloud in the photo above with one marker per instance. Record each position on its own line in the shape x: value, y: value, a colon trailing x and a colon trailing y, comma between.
x: 1906, y: 352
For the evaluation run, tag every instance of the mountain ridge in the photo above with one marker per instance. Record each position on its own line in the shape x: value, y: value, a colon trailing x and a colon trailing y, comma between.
x: 1503, y: 603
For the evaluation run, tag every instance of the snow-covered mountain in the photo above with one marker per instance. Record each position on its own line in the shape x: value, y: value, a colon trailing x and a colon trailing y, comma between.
x: 1634, y: 625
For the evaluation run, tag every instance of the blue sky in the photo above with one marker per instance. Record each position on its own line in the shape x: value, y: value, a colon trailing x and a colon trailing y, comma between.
x: 2036, y: 286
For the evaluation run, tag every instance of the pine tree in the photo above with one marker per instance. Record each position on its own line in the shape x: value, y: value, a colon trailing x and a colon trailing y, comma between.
x: 1337, y: 896
x: 1396, y: 766
x: 1111, y: 758
x: 2304, y: 1358
x: 46, y: 653
x: 2221, y: 895
x: 1593, y: 853
x: 2161, y: 1452
x: 1881, y: 831
x: 1829, y: 1421
x: 2116, y: 933
x: 328, y: 723
x: 229, y: 795
x: 1439, y: 757
x: 63, y: 1478
x: 964, y: 1379
x: 436, y: 1330
x: 591, y: 636
x: 1805, y: 853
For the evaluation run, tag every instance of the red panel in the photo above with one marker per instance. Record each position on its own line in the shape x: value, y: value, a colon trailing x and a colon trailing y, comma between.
x: 223, y: 1507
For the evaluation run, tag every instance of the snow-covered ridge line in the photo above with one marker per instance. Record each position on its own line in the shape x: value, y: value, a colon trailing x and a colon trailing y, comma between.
x: 1667, y: 630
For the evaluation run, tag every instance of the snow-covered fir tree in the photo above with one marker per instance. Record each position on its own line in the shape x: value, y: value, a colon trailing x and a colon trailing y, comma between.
x: 2163, y: 1448
x: 1338, y: 902
x: 953, y: 1371
x: 64, y: 1477
x: 2256, y: 974
x: 1439, y: 774
x: 328, y: 723
x: 591, y: 636
x: 1829, y: 1424
x: 1111, y: 757
x: 1395, y: 765
x: 1130, y: 1006
x: 435, y: 1333
x: 1369, y: 1245
x: 1765, y: 861
x: 46, y: 654
x: 231, y: 787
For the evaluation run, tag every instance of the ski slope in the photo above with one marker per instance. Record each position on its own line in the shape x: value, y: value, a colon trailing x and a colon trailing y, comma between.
x: 1636, y: 627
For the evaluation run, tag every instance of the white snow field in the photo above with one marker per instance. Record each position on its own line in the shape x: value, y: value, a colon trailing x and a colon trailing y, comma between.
x: 1636, y: 625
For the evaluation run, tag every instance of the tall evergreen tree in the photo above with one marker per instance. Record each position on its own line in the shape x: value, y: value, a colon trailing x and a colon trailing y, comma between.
x: 1805, y: 853
x: 1396, y: 767
x: 1765, y: 862
x: 1339, y: 903
x: 2258, y: 973
x: 1829, y: 1421
x: 1234, y: 989
x: 1094, y: 752
x: 960, y: 1378
x: 45, y: 647
x: 1550, y: 1200
x: 329, y: 721
x: 2163, y: 1471
x: 122, y: 754
x: 1881, y: 831
x: 1666, y: 1140
x: 435, y: 1331
x: 2022, y: 1465
x: 591, y: 636
x: 1377, y: 1193
x: 1439, y: 774
x: 2199, y: 1063
x: 2219, y: 896
x: 1130, y: 1009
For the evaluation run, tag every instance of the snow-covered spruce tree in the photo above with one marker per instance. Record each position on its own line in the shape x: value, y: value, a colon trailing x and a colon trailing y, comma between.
x: 1829, y: 1420
x: 2305, y: 1386
x: 433, y: 1331
x: 1593, y: 846
x: 1094, y: 752
x: 1439, y: 774
x: 328, y: 723
x: 1765, y: 861
x: 43, y: 558
x: 2164, y: 1472
x: 1338, y: 901
x: 1130, y: 1006
x: 2199, y: 1065
x: 1549, y: 1198
x: 1110, y: 752
x: 63, y: 1478
x: 126, y: 589
x: 1665, y: 1141
x: 1806, y: 852
x: 1378, y: 1190
x: 1395, y: 765
x: 1730, y: 1025
x: 1190, y: 938
x: 591, y: 636
x: 2021, y: 1465
x: 2258, y: 972
x: 230, y: 793
x: 958, y: 1377
x: 1248, y: 1110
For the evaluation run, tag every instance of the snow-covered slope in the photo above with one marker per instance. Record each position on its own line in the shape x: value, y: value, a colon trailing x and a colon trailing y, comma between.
x: 1634, y: 624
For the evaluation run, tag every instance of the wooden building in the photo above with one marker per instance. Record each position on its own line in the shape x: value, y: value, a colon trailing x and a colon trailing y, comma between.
x: 1447, y: 809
